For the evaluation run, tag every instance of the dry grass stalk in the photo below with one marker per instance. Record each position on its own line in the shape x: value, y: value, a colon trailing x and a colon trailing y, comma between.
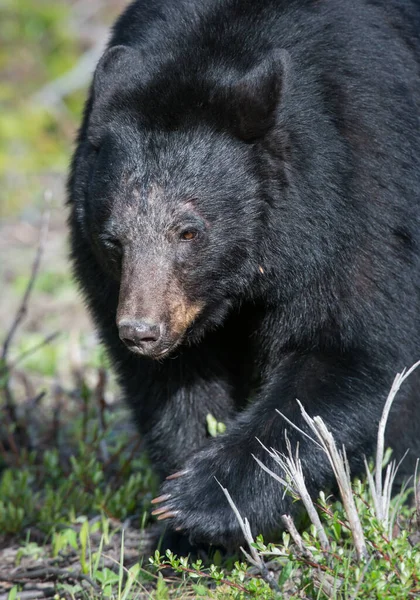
x: 296, y: 537
x: 292, y: 467
x: 381, y: 491
x: 254, y: 557
x: 323, y: 581
x: 341, y: 468
x: 392, y: 522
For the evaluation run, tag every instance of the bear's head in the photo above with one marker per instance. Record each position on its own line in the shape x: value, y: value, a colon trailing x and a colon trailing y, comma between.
x: 172, y: 192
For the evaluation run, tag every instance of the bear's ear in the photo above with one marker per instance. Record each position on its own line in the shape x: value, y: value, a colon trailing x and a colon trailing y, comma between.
x: 114, y: 64
x: 252, y: 101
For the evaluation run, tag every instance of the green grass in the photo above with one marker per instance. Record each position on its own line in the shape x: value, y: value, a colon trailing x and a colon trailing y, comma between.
x: 73, y: 474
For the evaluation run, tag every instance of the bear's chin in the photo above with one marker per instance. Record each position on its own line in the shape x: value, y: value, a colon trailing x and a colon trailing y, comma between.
x: 158, y: 353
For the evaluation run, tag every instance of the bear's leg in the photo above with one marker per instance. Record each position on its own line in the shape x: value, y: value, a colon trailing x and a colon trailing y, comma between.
x: 171, y: 402
x: 348, y: 392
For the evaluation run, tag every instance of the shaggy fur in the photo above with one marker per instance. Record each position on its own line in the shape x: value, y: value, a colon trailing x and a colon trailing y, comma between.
x: 244, y: 215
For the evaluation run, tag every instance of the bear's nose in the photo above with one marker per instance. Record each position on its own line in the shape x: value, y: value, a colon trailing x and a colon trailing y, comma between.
x: 139, y: 335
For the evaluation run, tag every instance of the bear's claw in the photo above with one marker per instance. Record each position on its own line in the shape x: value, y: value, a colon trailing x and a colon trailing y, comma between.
x: 177, y: 474
x: 161, y: 499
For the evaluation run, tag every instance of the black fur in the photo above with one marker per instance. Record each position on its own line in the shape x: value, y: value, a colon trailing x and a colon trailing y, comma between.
x: 285, y: 133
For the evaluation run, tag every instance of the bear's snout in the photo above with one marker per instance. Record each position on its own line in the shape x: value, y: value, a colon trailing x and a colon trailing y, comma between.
x: 142, y: 337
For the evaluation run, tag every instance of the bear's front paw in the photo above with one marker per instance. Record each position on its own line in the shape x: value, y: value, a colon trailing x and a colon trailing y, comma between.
x: 194, y: 503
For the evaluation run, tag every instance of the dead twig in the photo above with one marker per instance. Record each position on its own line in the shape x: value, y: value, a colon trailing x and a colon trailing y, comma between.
x: 101, y: 404
x: 414, y: 537
x: 48, y: 574
x: 341, y: 468
x: 47, y: 340
x: 33, y: 593
x: 324, y: 581
x: 20, y: 430
x: 254, y: 557
x: 23, y: 308
x: 296, y: 537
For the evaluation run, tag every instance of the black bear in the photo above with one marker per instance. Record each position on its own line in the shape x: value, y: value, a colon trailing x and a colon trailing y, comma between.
x: 245, y: 226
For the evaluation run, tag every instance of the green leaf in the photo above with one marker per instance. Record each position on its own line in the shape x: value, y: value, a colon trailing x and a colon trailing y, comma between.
x: 285, y: 573
x: 200, y: 589
x: 12, y: 595
x: 133, y: 573
x: 83, y: 537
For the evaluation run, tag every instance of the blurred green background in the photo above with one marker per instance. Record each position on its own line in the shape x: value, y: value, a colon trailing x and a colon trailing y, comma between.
x: 48, y: 51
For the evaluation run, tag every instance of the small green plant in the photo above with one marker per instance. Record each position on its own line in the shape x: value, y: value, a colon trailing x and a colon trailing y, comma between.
x: 50, y: 492
x: 214, y: 427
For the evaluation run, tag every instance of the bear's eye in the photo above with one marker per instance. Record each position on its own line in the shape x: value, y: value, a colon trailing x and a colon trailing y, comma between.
x: 187, y: 236
x: 113, y: 245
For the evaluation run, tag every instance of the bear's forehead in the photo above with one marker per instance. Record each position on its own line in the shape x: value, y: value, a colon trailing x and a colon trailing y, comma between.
x: 150, y: 207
